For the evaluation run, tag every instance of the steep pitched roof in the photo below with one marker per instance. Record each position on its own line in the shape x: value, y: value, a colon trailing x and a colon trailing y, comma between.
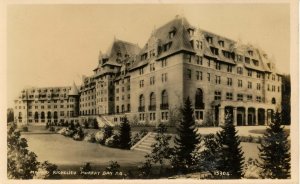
x: 179, y: 42
x: 74, y: 90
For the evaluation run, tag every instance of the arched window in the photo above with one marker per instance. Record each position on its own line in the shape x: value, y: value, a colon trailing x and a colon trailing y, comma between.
x: 152, y: 99
x: 199, y: 99
x: 55, y: 115
x: 142, y: 101
x: 42, y: 115
x: 164, y: 97
x: 36, y: 115
x: 49, y: 115
x: 128, y: 107
x: 273, y: 100
x: 20, y: 115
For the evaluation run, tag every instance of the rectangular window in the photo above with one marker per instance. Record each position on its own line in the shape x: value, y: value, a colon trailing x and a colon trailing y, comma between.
x: 258, y: 87
x: 208, y: 76
x: 249, y: 73
x: 198, y: 75
x: 163, y: 62
x: 239, y: 58
x: 240, y: 70
x: 258, y: 75
x: 258, y: 98
x: 141, y: 71
x: 152, y: 80
x: 188, y: 58
x: 239, y: 97
x: 141, y: 83
x: 199, y: 60
x: 249, y: 85
x: 218, y: 65
x: 229, y: 96
x: 218, y: 79
x: 152, y: 67
x: 249, y: 97
x: 229, y: 68
x: 189, y: 73
x: 217, y: 95
x: 229, y: 81
x: 240, y: 83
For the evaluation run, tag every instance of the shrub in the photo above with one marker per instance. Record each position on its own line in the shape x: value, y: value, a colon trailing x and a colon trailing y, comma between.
x: 52, y: 129
x: 57, y: 129
x: 108, y: 131
x: 25, y: 129
x: 99, y: 136
x: 145, y: 169
x: 113, y: 141
x: 79, y: 135
x: 113, y: 170
x: 90, y: 137
x: 85, y: 124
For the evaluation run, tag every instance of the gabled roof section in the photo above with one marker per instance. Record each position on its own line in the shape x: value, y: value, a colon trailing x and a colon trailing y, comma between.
x: 181, y: 39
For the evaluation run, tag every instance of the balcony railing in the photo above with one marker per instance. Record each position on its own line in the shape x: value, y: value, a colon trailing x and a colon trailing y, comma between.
x: 164, y: 106
x: 142, y: 109
x: 152, y: 107
x: 199, y: 106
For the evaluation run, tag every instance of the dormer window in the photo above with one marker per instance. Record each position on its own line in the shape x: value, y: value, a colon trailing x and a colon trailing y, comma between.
x: 171, y: 34
x: 209, y: 39
x: 105, y: 60
x: 250, y: 52
x: 214, y: 50
x: 191, y: 31
x: 167, y: 46
x: 144, y: 56
x: 221, y: 43
x: 255, y: 62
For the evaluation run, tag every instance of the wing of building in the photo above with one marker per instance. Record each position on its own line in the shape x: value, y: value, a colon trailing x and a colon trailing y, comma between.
x: 146, y: 84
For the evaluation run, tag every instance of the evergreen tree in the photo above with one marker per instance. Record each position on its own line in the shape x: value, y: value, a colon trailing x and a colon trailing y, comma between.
x: 231, y: 159
x: 161, y: 151
x: 21, y: 163
x: 125, y: 134
x: 186, y: 140
x: 210, y: 156
x: 275, y: 151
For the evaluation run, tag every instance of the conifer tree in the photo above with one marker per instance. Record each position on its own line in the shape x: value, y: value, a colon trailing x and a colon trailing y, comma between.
x: 21, y: 163
x: 161, y: 150
x: 275, y: 151
x: 186, y: 141
x: 231, y: 159
x: 125, y: 134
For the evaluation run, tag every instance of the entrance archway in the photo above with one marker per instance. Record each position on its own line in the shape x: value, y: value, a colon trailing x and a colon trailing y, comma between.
x: 240, y: 111
x: 251, y: 116
x: 261, y: 116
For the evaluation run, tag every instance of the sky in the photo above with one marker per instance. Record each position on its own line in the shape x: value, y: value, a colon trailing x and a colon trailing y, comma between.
x: 54, y: 45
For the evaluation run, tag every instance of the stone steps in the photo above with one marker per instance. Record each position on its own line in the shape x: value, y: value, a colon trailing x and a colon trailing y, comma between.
x: 145, y: 143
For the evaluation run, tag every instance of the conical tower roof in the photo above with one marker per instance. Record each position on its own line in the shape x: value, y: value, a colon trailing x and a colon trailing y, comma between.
x: 74, y: 90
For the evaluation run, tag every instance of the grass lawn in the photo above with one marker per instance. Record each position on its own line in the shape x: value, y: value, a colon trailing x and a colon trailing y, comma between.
x: 62, y: 150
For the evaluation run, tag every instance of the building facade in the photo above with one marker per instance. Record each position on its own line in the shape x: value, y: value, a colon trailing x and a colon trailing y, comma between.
x: 178, y: 61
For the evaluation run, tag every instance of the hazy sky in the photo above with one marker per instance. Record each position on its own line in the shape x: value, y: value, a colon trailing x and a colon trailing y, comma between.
x: 54, y: 45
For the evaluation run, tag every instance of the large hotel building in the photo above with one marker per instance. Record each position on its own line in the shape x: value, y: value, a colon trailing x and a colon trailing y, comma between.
x: 146, y: 84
